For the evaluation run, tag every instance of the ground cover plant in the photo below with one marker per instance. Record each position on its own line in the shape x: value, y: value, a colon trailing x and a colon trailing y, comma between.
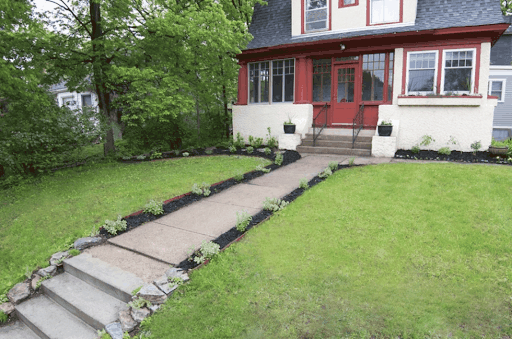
x: 44, y: 217
x: 413, y: 250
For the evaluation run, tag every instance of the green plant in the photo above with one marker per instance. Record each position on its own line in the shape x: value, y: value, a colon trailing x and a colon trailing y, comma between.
x: 476, y: 146
x: 444, y: 150
x: 415, y: 149
x: 203, y: 189
x: 3, y: 317
x: 141, y: 157
x: 154, y: 207
x: 3, y: 298
x: 327, y: 172
x: 207, y: 251
x: 239, y: 176
x: 304, y: 183
x: 250, y: 149
x: 271, y: 141
x: 333, y: 165
x: 242, y: 220
x: 452, y: 141
x: 74, y: 252
x: 289, y: 122
x: 426, y: 140
x: 256, y: 142
x: 139, y: 303
x: 114, y: 226
x: 232, y: 148
x: 208, y: 152
x: 239, y: 141
x: 95, y: 231
x: 156, y: 155
x: 351, y: 161
x: 135, y: 291
x: 177, y: 152
x: 175, y: 281
x: 40, y: 281
x: 126, y: 335
x: 274, y: 204
x: 386, y: 123
x: 267, y: 151
x: 28, y: 272
x: 500, y: 144
x: 279, y: 159
x: 185, y: 154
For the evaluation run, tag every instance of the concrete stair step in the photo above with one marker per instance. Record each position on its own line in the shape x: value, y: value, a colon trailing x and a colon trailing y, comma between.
x: 17, y: 330
x: 336, y: 143
x: 107, y: 278
x: 334, y: 150
x: 51, y: 321
x: 85, y: 301
x: 347, y: 138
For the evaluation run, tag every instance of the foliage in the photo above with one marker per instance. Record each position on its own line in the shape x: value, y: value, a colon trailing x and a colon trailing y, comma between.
x: 141, y: 157
x: 239, y: 176
x: 263, y: 169
x: 135, y: 291
x: 267, y: 151
x: 208, y: 152
x: 255, y: 142
x: 3, y: 317
x: 271, y: 141
x: 274, y: 204
x: 386, y: 123
x: 289, y: 122
x: 495, y: 143
x: 74, y: 252
x: 426, y: 140
x: 476, y: 146
x: 3, y: 298
x: 304, y: 183
x: 154, y: 207
x: 114, y: 226
x: 239, y: 141
x: 175, y: 281
x: 185, y: 154
x: 506, y: 7
x: 325, y: 173
x: 207, y: 251
x: 415, y: 149
x: 279, y: 159
x: 40, y: 281
x: 444, y: 150
x: 155, y: 155
x: 203, y: 189
x: 333, y: 165
x: 139, y: 303
x: 232, y: 149
x: 351, y: 161
x: 242, y: 220
x: 250, y: 149
x: 126, y: 335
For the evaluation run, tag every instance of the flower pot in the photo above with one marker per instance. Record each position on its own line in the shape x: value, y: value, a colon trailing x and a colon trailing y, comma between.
x: 289, y: 129
x: 385, y: 130
x: 498, y: 150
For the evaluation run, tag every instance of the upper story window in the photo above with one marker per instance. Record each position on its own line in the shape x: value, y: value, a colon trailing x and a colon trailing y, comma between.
x: 86, y: 100
x: 316, y: 15
x: 497, y: 88
x: 347, y: 3
x: 384, y: 11
x: 276, y: 77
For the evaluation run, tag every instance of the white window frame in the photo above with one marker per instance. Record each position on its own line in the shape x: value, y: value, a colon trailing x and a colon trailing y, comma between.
x: 327, y: 2
x: 473, y: 69
x: 436, y: 63
x: 503, y: 86
x: 372, y: 22
x: 270, y: 76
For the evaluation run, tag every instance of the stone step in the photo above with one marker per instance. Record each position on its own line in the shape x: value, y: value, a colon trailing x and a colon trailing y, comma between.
x: 336, y: 143
x: 51, y: 321
x: 334, y: 150
x: 17, y: 330
x: 85, y: 301
x: 107, y: 278
x: 347, y: 138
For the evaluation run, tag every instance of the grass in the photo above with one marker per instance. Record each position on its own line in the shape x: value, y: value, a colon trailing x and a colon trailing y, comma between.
x: 393, y: 251
x: 39, y: 219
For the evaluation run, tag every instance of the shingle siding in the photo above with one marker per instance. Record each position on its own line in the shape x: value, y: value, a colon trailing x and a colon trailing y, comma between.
x: 271, y: 24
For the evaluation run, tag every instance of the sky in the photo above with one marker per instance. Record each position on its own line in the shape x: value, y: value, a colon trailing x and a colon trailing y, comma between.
x: 44, y: 6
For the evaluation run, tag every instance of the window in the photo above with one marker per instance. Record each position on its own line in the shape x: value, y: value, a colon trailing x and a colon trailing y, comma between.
x: 384, y: 11
x: 346, y: 3
x: 421, y: 72
x: 68, y: 101
x: 458, y: 71
x: 275, y: 77
x: 390, y: 76
x: 316, y: 15
x: 374, y: 67
x: 322, y: 80
x: 86, y: 100
x: 497, y: 88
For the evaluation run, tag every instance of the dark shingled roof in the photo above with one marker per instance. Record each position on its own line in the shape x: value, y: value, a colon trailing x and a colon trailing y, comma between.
x: 271, y: 24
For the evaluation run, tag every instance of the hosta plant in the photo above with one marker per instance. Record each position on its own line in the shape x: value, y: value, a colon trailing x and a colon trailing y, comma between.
x: 114, y: 226
x: 274, y: 204
x: 154, y: 207
x: 207, y: 251
x: 242, y: 220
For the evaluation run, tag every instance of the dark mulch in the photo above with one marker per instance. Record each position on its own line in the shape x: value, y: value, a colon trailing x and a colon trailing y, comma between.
x: 455, y: 156
x: 138, y: 218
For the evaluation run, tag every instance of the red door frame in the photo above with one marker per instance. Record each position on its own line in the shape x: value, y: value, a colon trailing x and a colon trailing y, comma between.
x: 334, y: 89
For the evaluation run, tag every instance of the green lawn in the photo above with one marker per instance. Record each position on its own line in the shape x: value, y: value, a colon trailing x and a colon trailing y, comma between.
x: 394, y: 251
x: 40, y: 219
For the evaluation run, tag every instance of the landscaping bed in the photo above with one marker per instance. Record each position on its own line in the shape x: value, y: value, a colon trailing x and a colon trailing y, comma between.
x: 456, y: 156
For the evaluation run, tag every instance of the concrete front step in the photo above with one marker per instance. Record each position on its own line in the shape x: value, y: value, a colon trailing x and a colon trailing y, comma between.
x: 336, y: 143
x: 17, y: 330
x: 346, y: 138
x: 343, y: 131
x: 334, y: 150
x: 51, y: 321
x: 85, y: 301
x: 107, y: 278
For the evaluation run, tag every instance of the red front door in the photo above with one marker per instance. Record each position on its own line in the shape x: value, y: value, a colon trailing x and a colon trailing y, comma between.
x: 345, y: 97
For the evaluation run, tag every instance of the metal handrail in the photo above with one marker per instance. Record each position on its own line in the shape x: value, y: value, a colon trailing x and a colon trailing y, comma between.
x: 358, y: 120
x: 315, y: 136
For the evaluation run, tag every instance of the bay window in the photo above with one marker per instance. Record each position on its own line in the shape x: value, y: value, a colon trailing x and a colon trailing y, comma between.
x: 316, y: 15
x: 458, y: 71
x: 421, y: 72
x: 384, y: 11
x: 275, y: 77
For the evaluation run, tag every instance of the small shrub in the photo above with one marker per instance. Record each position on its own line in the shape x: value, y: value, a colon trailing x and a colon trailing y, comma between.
x: 304, y: 183
x: 126, y: 335
x: 207, y: 251
x: 444, y: 150
x: 74, y: 252
x: 351, y: 161
x: 495, y: 143
x: 177, y: 152
x: 3, y: 317
x: 141, y: 157
x: 415, y: 149
x: 114, y: 226
x: 427, y: 140
x: 156, y: 155
x: 333, y: 165
x: 279, y: 159
x: 476, y: 146
x: 208, y: 152
x: 203, y: 189
x: 185, y: 154
x: 250, y: 149
x: 154, y: 207
x: 327, y: 172
x: 3, y: 298
x: 274, y: 204
x: 239, y: 141
x: 242, y: 220
x: 232, y: 148
x: 175, y: 281
x: 263, y: 169
x: 256, y: 142
x: 239, y: 176
x: 139, y: 303
x: 271, y: 141
x: 267, y: 151
x: 94, y: 232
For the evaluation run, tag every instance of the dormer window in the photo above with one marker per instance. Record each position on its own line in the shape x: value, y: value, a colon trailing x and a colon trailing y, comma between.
x: 384, y: 11
x: 316, y: 14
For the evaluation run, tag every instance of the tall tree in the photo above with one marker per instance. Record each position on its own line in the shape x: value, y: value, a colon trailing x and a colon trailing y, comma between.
x: 506, y: 7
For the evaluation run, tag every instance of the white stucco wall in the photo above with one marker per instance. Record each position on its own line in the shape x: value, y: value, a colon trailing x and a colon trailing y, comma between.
x: 254, y: 119
x: 348, y: 17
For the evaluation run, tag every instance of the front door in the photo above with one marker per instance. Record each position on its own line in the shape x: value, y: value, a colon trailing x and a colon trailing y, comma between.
x: 345, y: 98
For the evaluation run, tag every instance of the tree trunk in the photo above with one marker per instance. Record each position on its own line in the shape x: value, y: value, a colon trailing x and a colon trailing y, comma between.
x: 198, y: 122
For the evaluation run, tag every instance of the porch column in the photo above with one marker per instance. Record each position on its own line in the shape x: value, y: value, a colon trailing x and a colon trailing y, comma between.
x: 242, y: 84
x: 301, y: 81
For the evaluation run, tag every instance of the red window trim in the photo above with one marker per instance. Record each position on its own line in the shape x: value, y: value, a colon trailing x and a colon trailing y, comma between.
x: 368, y: 14
x: 440, y: 49
x: 302, y: 11
x: 341, y: 4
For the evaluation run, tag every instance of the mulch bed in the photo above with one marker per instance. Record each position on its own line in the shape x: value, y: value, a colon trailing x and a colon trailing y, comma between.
x: 455, y: 156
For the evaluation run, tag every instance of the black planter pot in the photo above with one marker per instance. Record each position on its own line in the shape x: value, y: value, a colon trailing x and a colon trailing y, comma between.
x: 385, y: 130
x: 289, y: 129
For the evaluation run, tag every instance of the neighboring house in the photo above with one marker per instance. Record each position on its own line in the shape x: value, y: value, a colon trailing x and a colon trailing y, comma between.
x: 500, y: 85
x: 73, y: 100
x: 423, y: 64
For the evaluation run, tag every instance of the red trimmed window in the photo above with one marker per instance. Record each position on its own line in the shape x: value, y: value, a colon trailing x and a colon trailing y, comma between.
x: 322, y: 80
x: 347, y: 3
x: 271, y: 81
x: 384, y: 11
x: 316, y: 15
x: 377, y: 83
